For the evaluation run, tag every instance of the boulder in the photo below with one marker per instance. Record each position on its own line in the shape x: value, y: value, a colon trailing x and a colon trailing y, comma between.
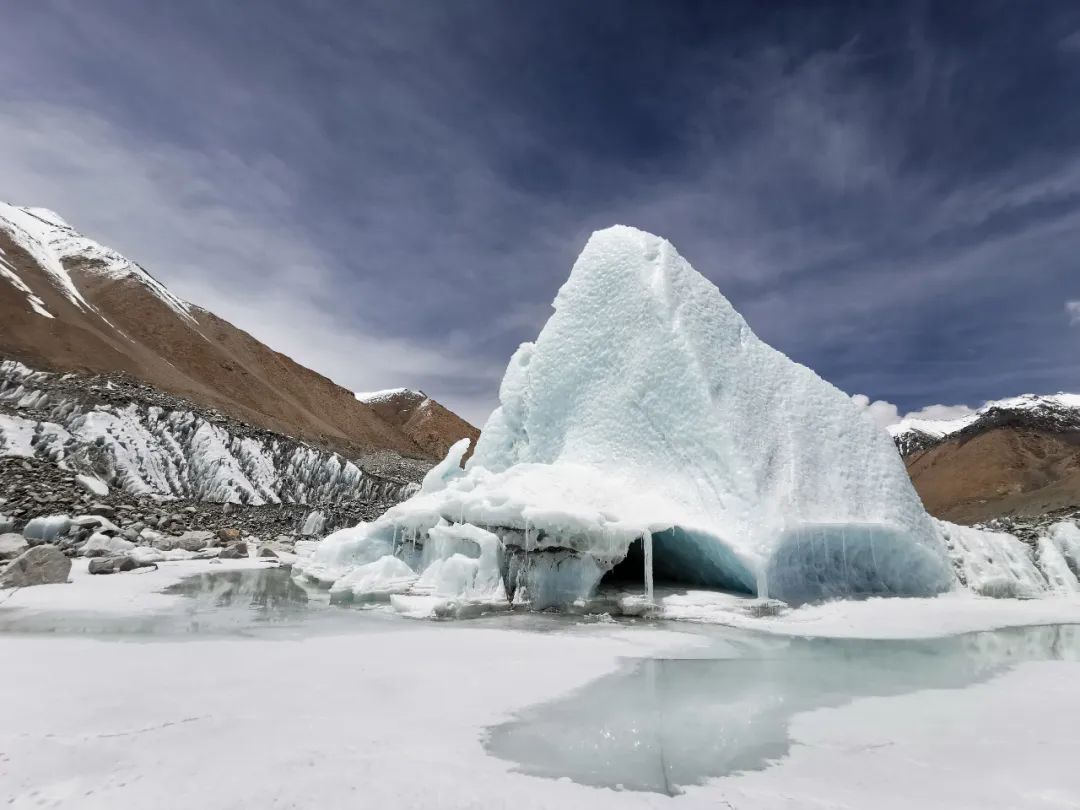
x: 99, y: 523
x: 112, y: 565
x: 237, y: 551
x: 228, y: 535
x: 102, y: 509
x: 12, y: 545
x: 40, y: 565
x: 194, y: 540
x: 266, y: 551
x: 102, y: 565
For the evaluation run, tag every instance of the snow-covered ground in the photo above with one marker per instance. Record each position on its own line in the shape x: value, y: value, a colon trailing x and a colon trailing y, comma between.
x: 380, y: 711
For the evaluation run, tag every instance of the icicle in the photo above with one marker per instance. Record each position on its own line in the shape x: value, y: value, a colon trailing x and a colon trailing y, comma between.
x: 526, y: 543
x: 763, y: 583
x: 647, y: 552
x: 843, y: 552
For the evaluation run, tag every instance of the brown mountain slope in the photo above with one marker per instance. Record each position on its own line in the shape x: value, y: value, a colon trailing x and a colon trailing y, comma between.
x: 69, y: 304
x: 1017, y: 457
x: 422, y: 419
x: 1002, y: 471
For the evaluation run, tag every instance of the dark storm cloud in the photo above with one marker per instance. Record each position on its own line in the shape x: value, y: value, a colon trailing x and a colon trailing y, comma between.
x: 392, y: 192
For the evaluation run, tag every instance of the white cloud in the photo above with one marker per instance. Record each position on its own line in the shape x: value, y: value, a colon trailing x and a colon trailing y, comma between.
x: 1072, y: 309
x: 886, y: 413
x: 238, y: 257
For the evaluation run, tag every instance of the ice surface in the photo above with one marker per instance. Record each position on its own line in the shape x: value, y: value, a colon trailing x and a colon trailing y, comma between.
x: 46, y: 529
x: 993, y: 563
x: 150, y: 450
x: 646, y: 406
x: 93, y: 485
x: 102, y: 545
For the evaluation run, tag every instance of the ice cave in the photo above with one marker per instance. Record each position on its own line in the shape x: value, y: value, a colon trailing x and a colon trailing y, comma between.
x: 648, y: 427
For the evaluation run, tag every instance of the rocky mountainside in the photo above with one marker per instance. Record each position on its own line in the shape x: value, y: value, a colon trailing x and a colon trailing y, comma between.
x: 69, y: 304
x: 1014, y: 458
x: 433, y: 427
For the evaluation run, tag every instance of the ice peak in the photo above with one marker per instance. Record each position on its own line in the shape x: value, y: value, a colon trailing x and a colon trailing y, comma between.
x: 647, y: 407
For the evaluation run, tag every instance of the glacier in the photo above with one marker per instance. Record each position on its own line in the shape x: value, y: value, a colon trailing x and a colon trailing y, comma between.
x: 173, y: 452
x: 648, y: 416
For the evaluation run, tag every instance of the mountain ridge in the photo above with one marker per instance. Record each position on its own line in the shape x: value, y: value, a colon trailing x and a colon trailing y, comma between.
x: 74, y: 305
x: 1015, y: 457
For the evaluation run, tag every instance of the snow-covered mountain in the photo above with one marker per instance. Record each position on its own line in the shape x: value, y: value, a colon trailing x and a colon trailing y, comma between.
x: 70, y: 304
x: 1052, y: 413
x: 104, y: 371
x: 433, y: 427
x: 1012, y: 457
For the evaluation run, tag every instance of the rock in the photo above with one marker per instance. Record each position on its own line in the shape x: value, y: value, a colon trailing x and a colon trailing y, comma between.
x: 160, y: 541
x: 102, y: 545
x: 266, y: 551
x: 237, y: 551
x: 130, y: 534
x: 95, y: 486
x: 228, y: 535
x: 190, y: 510
x: 194, y: 540
x: 40, y: 565
x: 112, y: 565
x: 103, y: 565
x: 284, y: 540
x: 7, y: 524
x: 98, y: 523
x: 46, y: 529
x: 12, y: 545
x: 101, y: 509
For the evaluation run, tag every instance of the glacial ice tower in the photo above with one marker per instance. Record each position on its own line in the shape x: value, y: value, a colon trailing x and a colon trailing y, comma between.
x: 647, y: 409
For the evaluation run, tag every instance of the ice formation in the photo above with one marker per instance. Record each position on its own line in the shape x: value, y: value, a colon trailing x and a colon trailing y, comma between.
x: 647, y: 412
x: 151, y: 450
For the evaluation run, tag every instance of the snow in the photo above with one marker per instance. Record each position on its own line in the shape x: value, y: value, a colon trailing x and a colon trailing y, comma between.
x: 32, y: 234
x: 93, y: 485
x: 102, y: 545
x: 7, y: 271
x: 369, y: 397
x: 173, y: 452
x: 941, y: 428
x: 647, y: 406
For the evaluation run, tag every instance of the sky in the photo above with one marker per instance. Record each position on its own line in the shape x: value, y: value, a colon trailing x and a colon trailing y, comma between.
x: 392, y: 192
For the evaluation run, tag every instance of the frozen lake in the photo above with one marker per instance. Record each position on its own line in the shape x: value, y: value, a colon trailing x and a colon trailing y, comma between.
x: 662, y: 723
x: 277, y: 698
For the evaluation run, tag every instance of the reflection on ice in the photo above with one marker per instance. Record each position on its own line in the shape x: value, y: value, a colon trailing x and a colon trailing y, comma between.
x: 662, y: 724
